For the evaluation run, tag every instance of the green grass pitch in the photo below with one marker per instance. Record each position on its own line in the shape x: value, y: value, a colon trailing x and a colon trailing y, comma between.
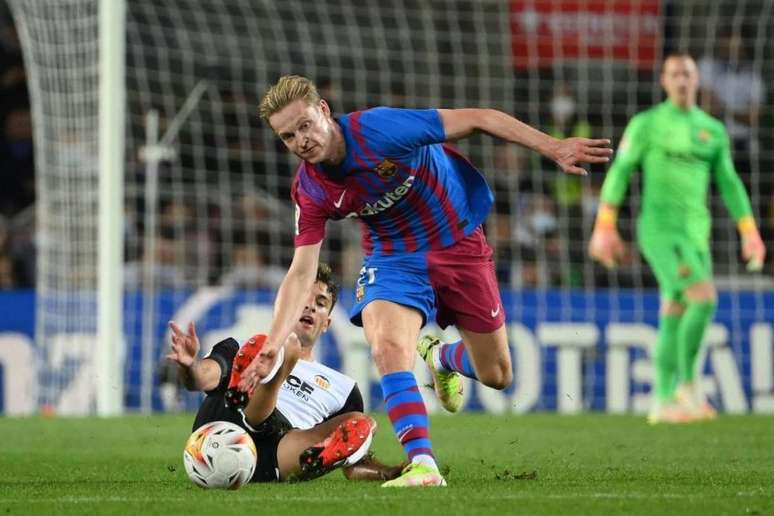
x: 535, y: 464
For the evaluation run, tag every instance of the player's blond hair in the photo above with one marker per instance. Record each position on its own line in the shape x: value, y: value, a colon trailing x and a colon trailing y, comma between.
x: 288, y: 89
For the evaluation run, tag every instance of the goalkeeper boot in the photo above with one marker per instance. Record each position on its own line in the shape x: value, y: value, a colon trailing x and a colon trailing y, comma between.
x: 697, y: 405
x: 670, y: 413
x: 447, y: 384
x: 418, y: 475
x: 345, y: 446
x: 234, y: 397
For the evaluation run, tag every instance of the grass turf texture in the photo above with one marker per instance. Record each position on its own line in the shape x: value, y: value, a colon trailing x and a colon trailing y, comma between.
x: 535, y: 464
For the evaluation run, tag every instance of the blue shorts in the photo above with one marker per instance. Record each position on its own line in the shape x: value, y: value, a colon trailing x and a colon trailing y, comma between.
x: 456, y: 284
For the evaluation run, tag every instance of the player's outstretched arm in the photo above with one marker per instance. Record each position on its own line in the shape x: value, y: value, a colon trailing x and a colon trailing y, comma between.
x: 568, y: 153
x: 287, y: 310
x: 195, y: 374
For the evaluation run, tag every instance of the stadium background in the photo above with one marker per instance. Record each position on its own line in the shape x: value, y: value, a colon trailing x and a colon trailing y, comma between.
x: 207, y: 218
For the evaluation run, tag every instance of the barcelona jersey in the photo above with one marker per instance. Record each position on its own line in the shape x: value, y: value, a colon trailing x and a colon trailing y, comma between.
x: 410, y: 192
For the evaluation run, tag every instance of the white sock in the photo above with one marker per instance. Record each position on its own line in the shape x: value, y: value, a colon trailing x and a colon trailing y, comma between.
x: 427, y: 460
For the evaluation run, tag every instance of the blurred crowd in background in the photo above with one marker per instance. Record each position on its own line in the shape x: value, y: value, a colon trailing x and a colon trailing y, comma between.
x: 539, y: 229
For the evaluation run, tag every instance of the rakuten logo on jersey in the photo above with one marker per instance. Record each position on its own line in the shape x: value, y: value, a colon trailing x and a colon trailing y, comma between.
x: 387, y: 200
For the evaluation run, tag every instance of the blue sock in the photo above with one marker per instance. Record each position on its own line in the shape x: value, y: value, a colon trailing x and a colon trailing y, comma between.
x: 407, y: 412
x: 454, y: 357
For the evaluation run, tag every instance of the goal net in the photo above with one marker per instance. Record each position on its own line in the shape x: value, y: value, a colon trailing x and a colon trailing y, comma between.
x: 207, y: 216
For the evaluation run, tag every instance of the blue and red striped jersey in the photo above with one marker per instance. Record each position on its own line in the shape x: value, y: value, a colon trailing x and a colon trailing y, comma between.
x: 409, y: 190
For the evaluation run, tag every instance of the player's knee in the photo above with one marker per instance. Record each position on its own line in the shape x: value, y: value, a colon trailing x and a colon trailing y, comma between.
x: 499, y: 376
x: 389, y: 351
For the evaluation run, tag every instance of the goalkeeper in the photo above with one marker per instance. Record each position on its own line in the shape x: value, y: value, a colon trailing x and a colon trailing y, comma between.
x: 679, y: 148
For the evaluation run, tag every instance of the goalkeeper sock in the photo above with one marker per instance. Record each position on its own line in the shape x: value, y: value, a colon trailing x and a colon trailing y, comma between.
x: 690, y: 333
x: 408, y: 415
x: 665, y: 358
x: 454, y: 357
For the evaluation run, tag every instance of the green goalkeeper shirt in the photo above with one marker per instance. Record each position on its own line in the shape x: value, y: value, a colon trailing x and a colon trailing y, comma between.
x: 678, y: 151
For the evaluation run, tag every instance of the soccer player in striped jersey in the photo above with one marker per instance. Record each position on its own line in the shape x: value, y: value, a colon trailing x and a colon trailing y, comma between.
x: 679, y: 149
x: 421, y: 206
x: 307, y: 419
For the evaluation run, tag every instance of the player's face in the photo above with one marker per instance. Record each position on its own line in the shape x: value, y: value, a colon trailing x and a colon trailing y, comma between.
x: 680, y: 80
x: 316, y: 316
x: 306, y: 130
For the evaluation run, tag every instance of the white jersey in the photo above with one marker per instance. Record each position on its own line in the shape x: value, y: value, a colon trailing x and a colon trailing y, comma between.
x: 312, y: 393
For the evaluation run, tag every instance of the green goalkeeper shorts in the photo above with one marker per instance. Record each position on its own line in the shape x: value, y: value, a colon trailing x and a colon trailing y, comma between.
x: 677, y: 263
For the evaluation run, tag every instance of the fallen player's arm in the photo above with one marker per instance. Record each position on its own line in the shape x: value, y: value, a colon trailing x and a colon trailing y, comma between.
x: 201, y: 375
x: 194, y: 373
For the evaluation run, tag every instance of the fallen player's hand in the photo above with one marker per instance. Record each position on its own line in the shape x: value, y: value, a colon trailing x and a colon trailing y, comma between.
x: 753, y: 251
x: 571, y: 152
x: 606, y: 247
x: 183, y: 346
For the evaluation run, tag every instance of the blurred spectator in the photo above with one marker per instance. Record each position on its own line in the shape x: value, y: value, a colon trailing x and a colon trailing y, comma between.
x: 564, y: 119
x: 13, y: 79
x: 16, y: 260
x: 7, y: 276
x: 17, y: 173
x: 535, y: 232
x: 249, y: 268
x: 510, y: 180
x: 167, y: 265
x: 732, y: 90
x: 182, y: 250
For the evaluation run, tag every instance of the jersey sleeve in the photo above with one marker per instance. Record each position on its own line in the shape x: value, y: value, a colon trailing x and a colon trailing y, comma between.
x: 628, y: 157
x: 310, y: 215
x: 354, y: 403
x: 223, y: 354
x: 731, y: 188
x: 396, y: 132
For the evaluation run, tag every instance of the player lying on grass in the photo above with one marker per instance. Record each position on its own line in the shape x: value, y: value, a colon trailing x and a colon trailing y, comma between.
x: 679, y: 149
x: 307, y: 419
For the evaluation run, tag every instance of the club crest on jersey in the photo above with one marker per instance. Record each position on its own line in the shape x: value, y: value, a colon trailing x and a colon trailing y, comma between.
x: 359, y: 293
x: 386, y: 169
x: 322, y: 381
x: 703, y: 136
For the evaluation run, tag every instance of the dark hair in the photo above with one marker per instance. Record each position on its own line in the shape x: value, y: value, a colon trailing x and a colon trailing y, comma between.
x: 325, y: 275
x: 678, y: 54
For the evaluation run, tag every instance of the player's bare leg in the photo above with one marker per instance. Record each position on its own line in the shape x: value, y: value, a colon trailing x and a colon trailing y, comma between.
x: 392, y: 330
x: 490, y: 356
x: 341, y: 441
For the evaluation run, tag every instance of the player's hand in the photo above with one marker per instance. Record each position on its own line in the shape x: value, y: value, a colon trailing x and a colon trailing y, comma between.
x: 571, y: 152
x: 753, y: 251
x: 184, y: 346
x: 607, y: 247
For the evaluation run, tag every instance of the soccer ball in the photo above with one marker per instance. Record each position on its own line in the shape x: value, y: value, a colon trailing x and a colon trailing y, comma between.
x: 220, y: 455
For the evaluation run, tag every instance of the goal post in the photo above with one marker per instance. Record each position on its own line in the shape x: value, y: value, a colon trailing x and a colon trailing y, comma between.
x: 112, y: 106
